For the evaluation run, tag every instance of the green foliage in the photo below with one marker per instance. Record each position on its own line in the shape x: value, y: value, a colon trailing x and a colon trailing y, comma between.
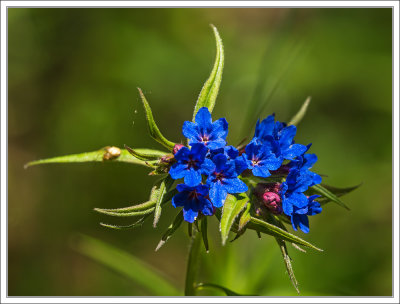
x: 204, y: 233
x: 322, y: 190
x: 152, y: 126
x: 193, y: 265
x: 171, y: 229
x: 99, y: 156
x: 228, y: 292
x: 233, y: 205
x: 299, y: 115
x: 209, y: 92
x: 126, y: 264
x: 245, y: 217
x: 159, y: 197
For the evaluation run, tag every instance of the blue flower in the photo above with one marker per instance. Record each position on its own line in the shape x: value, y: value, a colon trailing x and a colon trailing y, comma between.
x: 299, y: 169
x: 260, y: 158
x: 193, y: 200
x: 283, y: 136
x: 190, y: 164
x: 203, y: 130
x: 231, y: 153
x: 299, y: 216
x: 223, y: 180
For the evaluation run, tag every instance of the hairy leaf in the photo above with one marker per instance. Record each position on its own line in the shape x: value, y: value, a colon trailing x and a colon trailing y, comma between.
x: 267, y: 228
x: 319, y: 189
x: 299, y: 115
x: 98, y: 156
x: 204, y: 232
x: 209, y: 92
x: 233, y: 205
x: 152, y: 126
x: 163, y: 189
x: 288, y: 263
x: 171, y: 229
x: 245, y: 217
x: 142, y: 155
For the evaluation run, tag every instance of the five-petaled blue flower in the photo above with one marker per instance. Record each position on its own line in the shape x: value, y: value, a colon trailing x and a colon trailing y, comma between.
x: 193, y: 200
x: 190, y: 164
x: 283, y: 135
x: 203, y: 130
x: 260, y: 159
x: 223, y: 180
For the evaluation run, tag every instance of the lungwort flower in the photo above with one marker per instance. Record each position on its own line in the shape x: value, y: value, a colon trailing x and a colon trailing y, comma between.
x: 190, y: 164
x: 203, y: 130
x: 299, y: 215
x: 261, y: 159
x: 223, y: 180
x: 193, y: 200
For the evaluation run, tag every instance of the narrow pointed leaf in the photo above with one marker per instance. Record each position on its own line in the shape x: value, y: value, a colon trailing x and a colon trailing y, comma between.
x: 233, y: 205
x: 155, y: 133
x: 204, y: 232
x: 299, y: 115
x: 142, y: 155
x: 288, y: 263
x: 267, y: 228
x: 139, y: 207
x: 126, y: 264
x: 245, y: 217
x: 97, y: 156
x: 125, y: 227
x: 209, y: 92
x: 228, y: 292
x: 171, y: 229
x: 319, y: 189
x: 125, y: 214
x: 163, y: 189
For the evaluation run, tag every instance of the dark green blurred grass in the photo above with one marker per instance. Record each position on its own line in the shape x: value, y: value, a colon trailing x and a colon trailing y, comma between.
x: 72, y: 77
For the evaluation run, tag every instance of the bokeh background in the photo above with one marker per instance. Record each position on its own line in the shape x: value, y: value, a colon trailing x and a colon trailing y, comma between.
x: 72, y: 78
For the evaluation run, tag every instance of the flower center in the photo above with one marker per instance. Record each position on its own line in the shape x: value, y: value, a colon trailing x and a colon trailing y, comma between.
x: 191, y: 163
x: 193, y: 195
x: 255, y: 161
x: 219, y: 176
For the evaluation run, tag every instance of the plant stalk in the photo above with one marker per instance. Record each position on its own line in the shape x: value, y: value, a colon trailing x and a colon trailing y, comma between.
x: 193, y: 264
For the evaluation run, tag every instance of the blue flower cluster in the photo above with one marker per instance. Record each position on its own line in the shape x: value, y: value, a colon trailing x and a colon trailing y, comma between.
x: 210, y: 168
x: 208, y: 157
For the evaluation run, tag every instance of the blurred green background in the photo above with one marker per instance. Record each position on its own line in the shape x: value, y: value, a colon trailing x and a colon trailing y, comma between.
x: 72, y: 76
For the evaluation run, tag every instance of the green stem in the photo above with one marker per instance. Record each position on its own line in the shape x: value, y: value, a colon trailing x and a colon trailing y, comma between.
x: 193, y: 264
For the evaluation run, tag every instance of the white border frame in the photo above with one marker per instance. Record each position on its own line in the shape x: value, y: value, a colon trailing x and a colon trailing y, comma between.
x: 395, y: 156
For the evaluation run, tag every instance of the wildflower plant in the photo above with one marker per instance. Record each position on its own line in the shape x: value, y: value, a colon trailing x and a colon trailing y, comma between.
x: 264, y: 185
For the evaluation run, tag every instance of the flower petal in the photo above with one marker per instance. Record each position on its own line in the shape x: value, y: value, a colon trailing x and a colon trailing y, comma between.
x: 207, y: 167
x: 206, y: 206
x: 191, y: 131
x: 261, y: 171
x: 216, y: 144
x: 203, y: 118
x: 235, y: 185
x: 198, y: 151
x: 219, y: 129
x: 217, y: 194
x: 286, y: 136
x: 293, y: 151
x: 192, y: 177
x: 180, y: 199
x: 178, y: 170
x: 189, y: 214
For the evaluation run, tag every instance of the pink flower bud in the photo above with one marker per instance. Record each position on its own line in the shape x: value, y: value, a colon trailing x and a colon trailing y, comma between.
x: 268, y: 194
x: 177, y: 147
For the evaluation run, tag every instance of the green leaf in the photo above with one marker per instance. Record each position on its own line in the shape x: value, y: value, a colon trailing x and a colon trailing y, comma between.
x: 125, y: 214
x: 126, y: 227
x: 288, y: 263
x: 299, y: 115
x: 193, y: 265
x: 329, y: 195
x: 233, y: 205
x: 139, y: 207
x: 204, y: 232
x: 126, y: 264
x: 171, y: 229
x: 267, y: 228
x: 163, y: 189
x: 209, y: 92
x: 142, y: 155
x: 152, y: 126
x: 228, y: 292
x: 98, y: 156
x: 245, y: 217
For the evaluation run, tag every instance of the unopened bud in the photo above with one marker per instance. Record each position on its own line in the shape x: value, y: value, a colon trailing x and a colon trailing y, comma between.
x: 269, y: 196
x: 176, y: 148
